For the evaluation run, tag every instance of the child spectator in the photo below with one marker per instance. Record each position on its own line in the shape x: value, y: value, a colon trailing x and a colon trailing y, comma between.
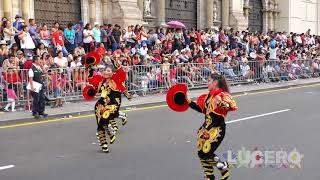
x: 12, y: 97
x: 56, y: 81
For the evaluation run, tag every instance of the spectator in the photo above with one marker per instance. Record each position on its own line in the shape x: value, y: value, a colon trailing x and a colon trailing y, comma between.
x: 11, y: 97
x: 79, y: 33
x: 41, y: 50
x: 8, y: 33
x: 115, y: 37
x: 69, y: 36
x: 88, y: 38
x: 17, y: 24
x: 60, y: 60
x: 33, y: 31
x: 227, y: 69
x: 97, y: 34
x: 143, y: 35
x: 26, y: 42
x: 45, y: 36
x: 21, y: 59
x: 130, y: 38
x: 143, y: 51
x: 58, y: 40
x: 79, y: 51
x: 56, y: 82
x: 105, y: 36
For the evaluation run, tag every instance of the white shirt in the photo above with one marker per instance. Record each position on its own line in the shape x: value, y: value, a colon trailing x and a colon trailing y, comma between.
x: 273, y: 53
x: 74, y: 64
x: 244, y: 69
x: 31, y: 73
x: 61, y: 62
x: 88, y: 39
x: 269, y: 69
x: 143, y: 51
x: 8, y: 37
x: 27, y: 42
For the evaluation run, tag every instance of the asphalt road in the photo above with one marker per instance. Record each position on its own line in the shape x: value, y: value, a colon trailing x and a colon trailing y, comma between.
x: 158, y: 144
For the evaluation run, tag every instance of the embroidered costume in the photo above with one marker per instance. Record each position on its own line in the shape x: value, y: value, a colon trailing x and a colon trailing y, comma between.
x: 108, y: 105
x: 215, y: 106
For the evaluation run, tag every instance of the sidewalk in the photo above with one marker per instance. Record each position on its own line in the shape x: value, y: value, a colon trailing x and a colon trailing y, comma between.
x: 82, y: 108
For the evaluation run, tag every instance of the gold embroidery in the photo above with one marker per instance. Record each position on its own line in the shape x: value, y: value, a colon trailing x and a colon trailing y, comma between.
x: 208, y: 120
x: 105, y: 92
x: 104, y: 111
x: 205, y: 138
x: 118, y: 100
x: 112, y: 85
x: 98, y: 112
x: 108, y: 110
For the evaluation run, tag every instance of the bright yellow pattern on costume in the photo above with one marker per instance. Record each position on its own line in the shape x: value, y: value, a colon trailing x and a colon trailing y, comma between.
x: 205, y: 138
x: 104, y: 111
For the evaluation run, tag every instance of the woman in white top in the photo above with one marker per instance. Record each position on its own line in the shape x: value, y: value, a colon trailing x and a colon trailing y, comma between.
x: 8, y: 33
x: 130, y: 37
x: 26, y: 42
x: 61, y: 61
x: 88, y: 37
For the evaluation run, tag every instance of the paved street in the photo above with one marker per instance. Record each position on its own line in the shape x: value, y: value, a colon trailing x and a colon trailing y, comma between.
x: 158, y: 144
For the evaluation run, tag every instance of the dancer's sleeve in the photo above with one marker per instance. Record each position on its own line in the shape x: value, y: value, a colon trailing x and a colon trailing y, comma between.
x: 115, y: 63
x: 127, y: 95
x: 228, y: 102
x: 194, y: 106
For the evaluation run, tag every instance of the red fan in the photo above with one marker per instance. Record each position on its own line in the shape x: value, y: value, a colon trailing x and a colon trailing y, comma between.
x: 89, y: 92
x: 176, y: 98
x: 92, y: 58
x: 95, y: 80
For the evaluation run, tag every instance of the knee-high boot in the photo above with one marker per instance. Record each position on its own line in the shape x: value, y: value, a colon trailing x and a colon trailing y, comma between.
x: 101, y: 135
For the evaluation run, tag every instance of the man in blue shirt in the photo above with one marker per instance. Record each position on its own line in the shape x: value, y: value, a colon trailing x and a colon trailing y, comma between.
x: 70, y: 35
x: 79, y: 33
x: 33, y: 31
x: 17, y: 24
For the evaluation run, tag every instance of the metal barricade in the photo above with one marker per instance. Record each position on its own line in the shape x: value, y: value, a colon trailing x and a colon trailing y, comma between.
x: 67, y: 84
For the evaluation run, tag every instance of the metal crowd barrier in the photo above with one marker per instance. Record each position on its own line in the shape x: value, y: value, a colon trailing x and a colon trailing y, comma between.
x: 67, y: 84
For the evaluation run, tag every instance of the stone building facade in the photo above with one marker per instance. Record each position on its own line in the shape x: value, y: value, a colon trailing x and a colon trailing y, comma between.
x: 258, y: 15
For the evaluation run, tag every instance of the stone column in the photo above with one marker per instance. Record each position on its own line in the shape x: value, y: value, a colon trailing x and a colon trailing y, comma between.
x: 210, y: 13
x: 92, y: 11
x: 270, y: 21
x: 161, y: 12
x: 275, y: 19
x: 104, y: 11
x: 265, y: 21
x: 126, y: 12
x: 7, y: 9
x: 225, y: 13
x: 26, y: 10
x: 140, y: 4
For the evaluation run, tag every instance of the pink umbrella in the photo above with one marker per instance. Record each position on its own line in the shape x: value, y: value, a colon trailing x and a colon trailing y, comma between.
x: 176, y: 24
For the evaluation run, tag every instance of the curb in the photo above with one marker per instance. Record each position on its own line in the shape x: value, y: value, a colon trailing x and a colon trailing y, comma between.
x: 83, y: 113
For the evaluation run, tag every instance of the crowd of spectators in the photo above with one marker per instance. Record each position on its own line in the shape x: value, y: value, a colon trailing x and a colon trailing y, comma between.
x: 152, y: 57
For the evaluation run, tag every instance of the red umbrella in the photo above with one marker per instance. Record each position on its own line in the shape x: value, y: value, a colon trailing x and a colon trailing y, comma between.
x: 176, y: 24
